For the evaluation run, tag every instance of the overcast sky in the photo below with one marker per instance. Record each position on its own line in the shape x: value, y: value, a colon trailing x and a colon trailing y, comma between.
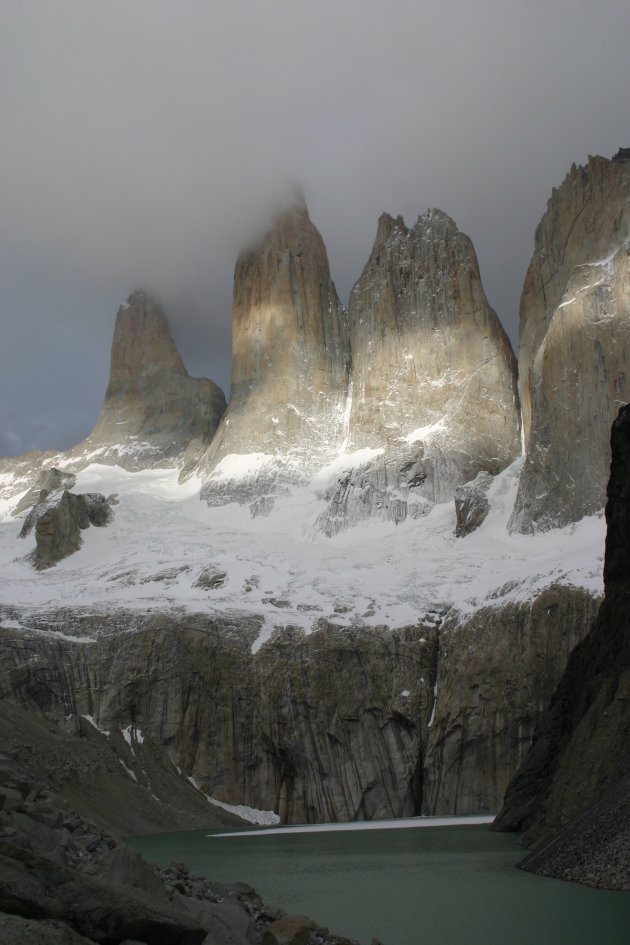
x: 143, y: 141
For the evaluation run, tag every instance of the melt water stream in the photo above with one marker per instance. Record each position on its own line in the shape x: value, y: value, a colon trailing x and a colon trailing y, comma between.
x: 454, y: 885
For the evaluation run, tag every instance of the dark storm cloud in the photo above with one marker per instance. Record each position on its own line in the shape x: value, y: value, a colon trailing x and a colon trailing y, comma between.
x: 142, y: 143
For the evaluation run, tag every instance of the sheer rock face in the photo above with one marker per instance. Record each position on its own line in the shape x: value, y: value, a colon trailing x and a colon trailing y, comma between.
x: 574, y: 344
x: 338, y: 724
x: 153, y: 411
x: 320, y: 727
x: 434, y: 377
x: 496, y: 673
x: 290, y: 363
x: 580, y: 752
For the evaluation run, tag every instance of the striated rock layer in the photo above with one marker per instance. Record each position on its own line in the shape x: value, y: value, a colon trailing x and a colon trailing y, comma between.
x: 343, y: 723
x: 574, y: 345
x: 576, y: 776
x: 434, y: 389
x: 496, y: 674
x: 290, y: 364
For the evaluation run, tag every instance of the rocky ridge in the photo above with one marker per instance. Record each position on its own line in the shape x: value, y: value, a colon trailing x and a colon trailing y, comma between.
x: 574, y: 344
x: 58, y: 521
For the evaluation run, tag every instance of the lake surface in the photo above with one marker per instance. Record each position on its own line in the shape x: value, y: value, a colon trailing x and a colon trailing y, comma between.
x: 454, y: 885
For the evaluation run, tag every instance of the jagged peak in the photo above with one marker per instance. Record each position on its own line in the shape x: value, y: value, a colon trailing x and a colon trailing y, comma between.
x: 140, y: 298
x: 433, y: 216
x: 431, y: 225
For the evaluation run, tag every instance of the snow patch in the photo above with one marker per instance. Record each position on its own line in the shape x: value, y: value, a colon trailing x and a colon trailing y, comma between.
x: 95, y: 725
x: 128, y: 770
x: 343, y: 463
x: 426, y: 432
x: 251, y: 814
x: 241, y: 465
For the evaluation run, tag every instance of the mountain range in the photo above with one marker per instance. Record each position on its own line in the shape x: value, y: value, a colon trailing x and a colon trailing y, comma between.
x: 351, y: 591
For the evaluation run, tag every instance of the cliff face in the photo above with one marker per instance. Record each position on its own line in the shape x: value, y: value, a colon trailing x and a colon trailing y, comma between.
x: 339, y: 724
x: 574, y: 344
x: 496, y: 673
x: 290, y: 365
x: 580, y: 757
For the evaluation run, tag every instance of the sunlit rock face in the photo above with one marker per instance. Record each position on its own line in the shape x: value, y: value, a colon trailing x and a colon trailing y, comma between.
x: 574, y: 344
x: 153, y: 412
x: 290, y: 365
x: 434, y: 378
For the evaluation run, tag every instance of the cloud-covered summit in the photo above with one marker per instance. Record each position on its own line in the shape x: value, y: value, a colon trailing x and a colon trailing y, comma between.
x: 145, y: 143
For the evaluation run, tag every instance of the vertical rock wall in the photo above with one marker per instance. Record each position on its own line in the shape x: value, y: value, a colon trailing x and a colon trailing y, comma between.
x: 290, y: 362
x: 574, y: 353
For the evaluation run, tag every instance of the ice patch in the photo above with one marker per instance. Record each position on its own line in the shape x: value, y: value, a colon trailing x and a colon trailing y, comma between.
x: 251, y: 814
x: 404, y: 823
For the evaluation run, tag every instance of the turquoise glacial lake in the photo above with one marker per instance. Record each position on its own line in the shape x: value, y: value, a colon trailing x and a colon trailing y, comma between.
x: 454, y: 885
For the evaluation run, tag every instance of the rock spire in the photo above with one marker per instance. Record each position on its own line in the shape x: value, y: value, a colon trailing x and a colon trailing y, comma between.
x: 574, y: 344
x: 290, y: 362
x: 434, y: 386
x: 153, y: 412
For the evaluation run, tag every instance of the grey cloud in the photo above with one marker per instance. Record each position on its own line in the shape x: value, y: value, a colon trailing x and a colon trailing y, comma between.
x: 144, y: 143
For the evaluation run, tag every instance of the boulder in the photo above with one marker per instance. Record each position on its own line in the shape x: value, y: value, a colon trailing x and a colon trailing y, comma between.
x: 58, y: 524
x: 471, y: 504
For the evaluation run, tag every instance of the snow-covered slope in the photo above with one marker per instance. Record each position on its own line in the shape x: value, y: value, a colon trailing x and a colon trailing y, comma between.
x: 165, y: 549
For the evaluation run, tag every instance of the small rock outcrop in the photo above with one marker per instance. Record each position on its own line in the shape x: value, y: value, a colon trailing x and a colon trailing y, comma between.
x: 575, y: 777
x: 290, y: 363
x: 471, y: 504
x: 434, y: 389
x: 574, y: 345
x: 153, y: 412
x: 58, y: 523
x: 49, y: 482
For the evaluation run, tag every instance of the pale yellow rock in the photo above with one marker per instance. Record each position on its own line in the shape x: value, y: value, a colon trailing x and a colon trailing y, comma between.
x: 290, y: 354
